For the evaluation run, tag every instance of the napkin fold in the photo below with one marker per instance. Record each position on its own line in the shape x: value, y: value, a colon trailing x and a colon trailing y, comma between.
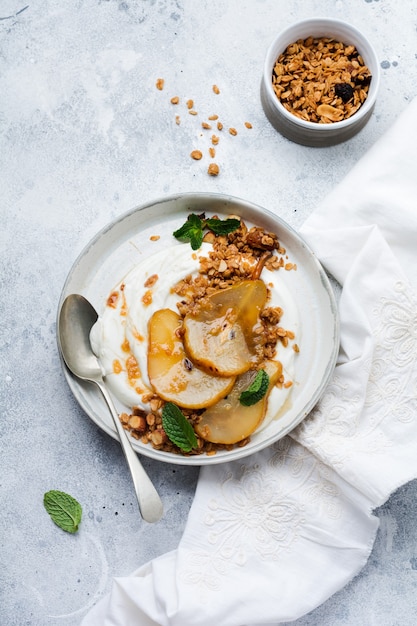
x: 271, y: 537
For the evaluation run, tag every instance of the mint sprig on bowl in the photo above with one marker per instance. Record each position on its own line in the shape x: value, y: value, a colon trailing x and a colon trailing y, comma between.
x: 178, y: 428
x: 193, y: 229
x: 256, y: 390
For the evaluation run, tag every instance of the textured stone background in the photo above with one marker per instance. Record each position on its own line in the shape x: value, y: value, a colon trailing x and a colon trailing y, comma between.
x: 84, y: 137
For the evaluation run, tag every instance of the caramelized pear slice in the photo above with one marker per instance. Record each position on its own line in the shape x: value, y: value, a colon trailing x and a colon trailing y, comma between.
x: 221, y: 336
x: 228, y: 421
x: 171, y: 373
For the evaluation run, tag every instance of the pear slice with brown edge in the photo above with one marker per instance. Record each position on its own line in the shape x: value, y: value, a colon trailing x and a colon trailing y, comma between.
x: 221, y: 337
x: 171, y: 373
x: 228, y: 421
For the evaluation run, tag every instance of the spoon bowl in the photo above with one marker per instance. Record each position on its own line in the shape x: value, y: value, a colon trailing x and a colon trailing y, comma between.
x: 76, y: 318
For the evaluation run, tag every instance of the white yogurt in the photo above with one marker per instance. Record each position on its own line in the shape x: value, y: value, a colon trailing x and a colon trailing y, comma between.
x: 122, y: 330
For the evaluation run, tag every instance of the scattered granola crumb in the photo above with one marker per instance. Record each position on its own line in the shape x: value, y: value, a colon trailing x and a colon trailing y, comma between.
x: 248, y: 125
x: 175, y: 100
x: 233, y: 131
x: 155, y: 237
x: 213, y: 117
x: 160, y: 84
x: 214, y: 140
x: 190, y: 104
x: 177, y: 120
x: 206, y: 125
x: 213, y: 169
x: 212, y: 152
x: 219, y: 126
x: 192, y: 112
x: 196, y: 155
x: 216, y: 89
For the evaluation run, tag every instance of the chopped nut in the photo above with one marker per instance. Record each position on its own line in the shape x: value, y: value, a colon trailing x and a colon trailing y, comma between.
x: 158, y: 437
x: 213, y: 169
x: 137, y: 422
x: 124, y: 418
x: 160, y: 84
x: 196, y: 155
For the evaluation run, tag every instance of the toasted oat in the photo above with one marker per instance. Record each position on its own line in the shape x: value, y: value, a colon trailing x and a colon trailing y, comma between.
x: 190, y: 104
x: 233, y: 131
x: 214, y: 140
x: 150, y: 282
x: 175, y: 100
x: 213, y: 169
x: 160, y: 84
x: 213, y: 117
x: 192, y: 112
x: 196, y: 155
x: 219, y: 126
x: 321, y: 80
x: 216, y: 89
x: 212, y: 152
x: 248, y: 125
x: 206, y: 125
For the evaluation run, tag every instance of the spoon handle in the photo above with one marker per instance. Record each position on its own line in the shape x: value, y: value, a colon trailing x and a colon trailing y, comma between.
x: 150, y: 504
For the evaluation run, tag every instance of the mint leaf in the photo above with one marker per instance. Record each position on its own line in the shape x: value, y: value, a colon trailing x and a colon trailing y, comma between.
x: 193, y: 228
x: 191, y: 231
x: 178, y: 428
x: 256, y: 390
x: 64, y: 510
x: 222, y: 227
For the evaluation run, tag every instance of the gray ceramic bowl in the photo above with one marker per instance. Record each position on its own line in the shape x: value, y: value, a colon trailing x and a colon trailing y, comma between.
x: 307, y: 132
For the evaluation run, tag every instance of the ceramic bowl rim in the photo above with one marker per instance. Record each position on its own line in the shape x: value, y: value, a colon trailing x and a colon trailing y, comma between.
x: 316, y: 25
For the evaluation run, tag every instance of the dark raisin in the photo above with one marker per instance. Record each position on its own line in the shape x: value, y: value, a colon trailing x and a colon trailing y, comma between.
x: 344, y: 91
x: 187, y: 364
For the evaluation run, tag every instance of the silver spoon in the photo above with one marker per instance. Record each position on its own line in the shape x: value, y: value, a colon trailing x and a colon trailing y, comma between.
x: 76, y: 318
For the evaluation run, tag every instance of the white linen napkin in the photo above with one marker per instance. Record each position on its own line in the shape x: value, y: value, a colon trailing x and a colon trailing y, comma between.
x: 271, y: 537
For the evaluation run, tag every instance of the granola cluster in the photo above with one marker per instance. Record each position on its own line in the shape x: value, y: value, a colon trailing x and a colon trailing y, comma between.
x: 240, y: 255
x: 321, y: 80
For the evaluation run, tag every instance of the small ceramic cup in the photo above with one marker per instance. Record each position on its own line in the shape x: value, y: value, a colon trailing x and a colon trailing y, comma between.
x: 313, y: 133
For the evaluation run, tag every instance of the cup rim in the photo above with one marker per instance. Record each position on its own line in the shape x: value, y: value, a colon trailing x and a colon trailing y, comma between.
x: 322, y: 24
